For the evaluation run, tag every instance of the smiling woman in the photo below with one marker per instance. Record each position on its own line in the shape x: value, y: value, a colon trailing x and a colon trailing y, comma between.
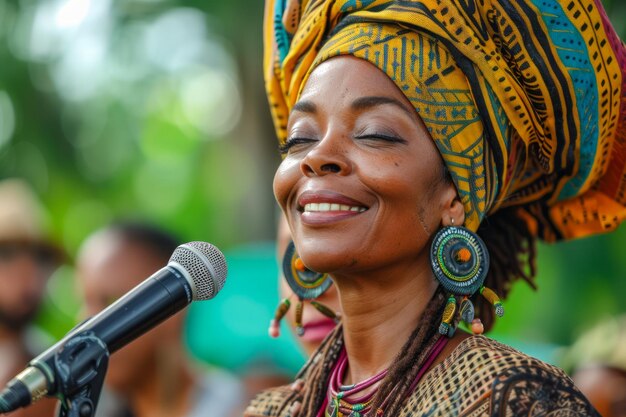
x: 409, y: 131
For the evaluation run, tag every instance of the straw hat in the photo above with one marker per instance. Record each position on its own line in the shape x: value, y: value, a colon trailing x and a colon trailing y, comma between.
x: 23, y: 219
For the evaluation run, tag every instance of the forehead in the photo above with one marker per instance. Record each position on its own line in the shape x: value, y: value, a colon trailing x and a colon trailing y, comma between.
x: 116, y: 264
x: 345, y: 77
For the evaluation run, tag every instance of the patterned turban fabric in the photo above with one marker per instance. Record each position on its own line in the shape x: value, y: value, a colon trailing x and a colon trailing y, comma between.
x: 525, y: 99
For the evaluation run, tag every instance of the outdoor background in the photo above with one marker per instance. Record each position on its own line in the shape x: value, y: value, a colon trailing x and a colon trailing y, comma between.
x: 155, y: 109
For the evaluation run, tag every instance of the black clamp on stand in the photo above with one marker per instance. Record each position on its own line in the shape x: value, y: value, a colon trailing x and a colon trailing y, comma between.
x: 81, y: 366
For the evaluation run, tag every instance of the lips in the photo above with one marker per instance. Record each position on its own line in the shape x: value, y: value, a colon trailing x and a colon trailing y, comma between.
x: 319, y: 207
x: 316, y: 331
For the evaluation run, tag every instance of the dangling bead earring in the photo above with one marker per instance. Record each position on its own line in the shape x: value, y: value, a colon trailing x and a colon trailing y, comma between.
x: 447, y: 321
x: 460, y: 261
x: 477, y: 326
x: 281, y: 310
x: 493, y: 298
x: 306, y: 285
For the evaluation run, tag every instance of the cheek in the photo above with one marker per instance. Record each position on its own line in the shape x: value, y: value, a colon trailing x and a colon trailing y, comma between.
x: 398, y: 186
x: 409, y: 192
x: 285, y: 179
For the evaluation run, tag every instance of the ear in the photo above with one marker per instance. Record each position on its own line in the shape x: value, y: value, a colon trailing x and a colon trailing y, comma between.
x: 453, y: 212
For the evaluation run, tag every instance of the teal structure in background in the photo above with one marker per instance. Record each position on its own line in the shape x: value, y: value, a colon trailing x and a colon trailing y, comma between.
x: 231, y: 329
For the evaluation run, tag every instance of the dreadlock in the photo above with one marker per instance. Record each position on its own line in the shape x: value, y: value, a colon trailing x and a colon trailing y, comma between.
x: 316, y: 373
x: 410, y: 359
x: 512, y: 251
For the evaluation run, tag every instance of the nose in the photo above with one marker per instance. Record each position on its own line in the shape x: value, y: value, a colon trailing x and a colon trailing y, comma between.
x: 329, y: 156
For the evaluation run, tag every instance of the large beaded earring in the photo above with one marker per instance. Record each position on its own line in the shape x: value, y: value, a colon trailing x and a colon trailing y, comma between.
x: 306, y: 285
x: 460, y: 261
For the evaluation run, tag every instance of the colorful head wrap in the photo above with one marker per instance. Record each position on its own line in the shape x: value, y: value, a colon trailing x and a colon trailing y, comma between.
x: 523, y: 98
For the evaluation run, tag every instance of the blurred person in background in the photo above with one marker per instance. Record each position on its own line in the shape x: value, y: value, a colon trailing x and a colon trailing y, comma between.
x: 597, y: 362
x: 152, y: 376
x: 27, y: 259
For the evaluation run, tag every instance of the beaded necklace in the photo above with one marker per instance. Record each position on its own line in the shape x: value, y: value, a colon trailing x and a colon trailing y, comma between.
x: 348, y: 400
x: 344, y: 400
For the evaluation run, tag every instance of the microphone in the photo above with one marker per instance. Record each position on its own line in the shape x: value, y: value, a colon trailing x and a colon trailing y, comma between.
x: 196, y: 271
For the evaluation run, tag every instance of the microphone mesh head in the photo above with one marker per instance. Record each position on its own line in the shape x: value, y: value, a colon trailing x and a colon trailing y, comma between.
x: 206, y: 267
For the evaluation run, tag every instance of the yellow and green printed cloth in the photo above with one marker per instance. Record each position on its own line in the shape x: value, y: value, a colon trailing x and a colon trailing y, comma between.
x: 523, y: 98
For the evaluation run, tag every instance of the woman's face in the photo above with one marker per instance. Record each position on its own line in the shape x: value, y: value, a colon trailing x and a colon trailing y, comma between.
x: 362, y: 184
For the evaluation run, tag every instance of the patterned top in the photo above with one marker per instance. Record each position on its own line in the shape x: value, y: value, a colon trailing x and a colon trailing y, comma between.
x: 480, y: 378
x: 523, y: 98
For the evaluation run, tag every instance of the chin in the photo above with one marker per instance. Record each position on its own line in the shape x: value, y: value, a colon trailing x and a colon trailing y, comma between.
x: 332, y: 267
x: 328, y: 261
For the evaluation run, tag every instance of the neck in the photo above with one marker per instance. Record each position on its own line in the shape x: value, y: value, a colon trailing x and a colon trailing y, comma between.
x: 380, y: 311
x: 167, y: 388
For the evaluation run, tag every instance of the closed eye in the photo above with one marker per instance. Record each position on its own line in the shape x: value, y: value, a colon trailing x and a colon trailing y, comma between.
x: 291, y: 142
x: 383, y: 137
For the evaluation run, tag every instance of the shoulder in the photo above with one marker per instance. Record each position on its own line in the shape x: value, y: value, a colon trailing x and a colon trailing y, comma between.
x: 494, y: 361
x: 272, y: 402
x: 522, y: 383
x: 483, y: 377
x: 489, y: 356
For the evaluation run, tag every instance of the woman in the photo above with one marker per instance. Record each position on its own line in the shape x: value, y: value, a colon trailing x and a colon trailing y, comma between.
x: 405, y: 128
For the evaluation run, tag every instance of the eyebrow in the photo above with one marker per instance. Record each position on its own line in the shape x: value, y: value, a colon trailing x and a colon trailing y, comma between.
x: 367, y: 102
x: 361, y: 103
x: 305, y: 107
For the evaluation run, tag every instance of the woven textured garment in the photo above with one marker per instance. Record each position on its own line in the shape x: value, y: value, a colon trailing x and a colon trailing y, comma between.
x: 480, y: 378
x: 523, y: 98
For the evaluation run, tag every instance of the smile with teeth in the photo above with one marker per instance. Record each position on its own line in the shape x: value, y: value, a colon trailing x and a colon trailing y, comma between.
x: 317, y: 207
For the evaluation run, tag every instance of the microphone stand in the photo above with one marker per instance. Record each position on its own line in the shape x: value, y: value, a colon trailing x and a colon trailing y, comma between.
x: 80, y: 366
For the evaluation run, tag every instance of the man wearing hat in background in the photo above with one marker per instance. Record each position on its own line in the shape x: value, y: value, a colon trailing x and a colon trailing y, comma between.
x: 27, y: 259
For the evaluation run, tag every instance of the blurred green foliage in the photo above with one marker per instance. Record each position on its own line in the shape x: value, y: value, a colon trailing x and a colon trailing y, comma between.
x: 136, y: 108
x: 155, y: 109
